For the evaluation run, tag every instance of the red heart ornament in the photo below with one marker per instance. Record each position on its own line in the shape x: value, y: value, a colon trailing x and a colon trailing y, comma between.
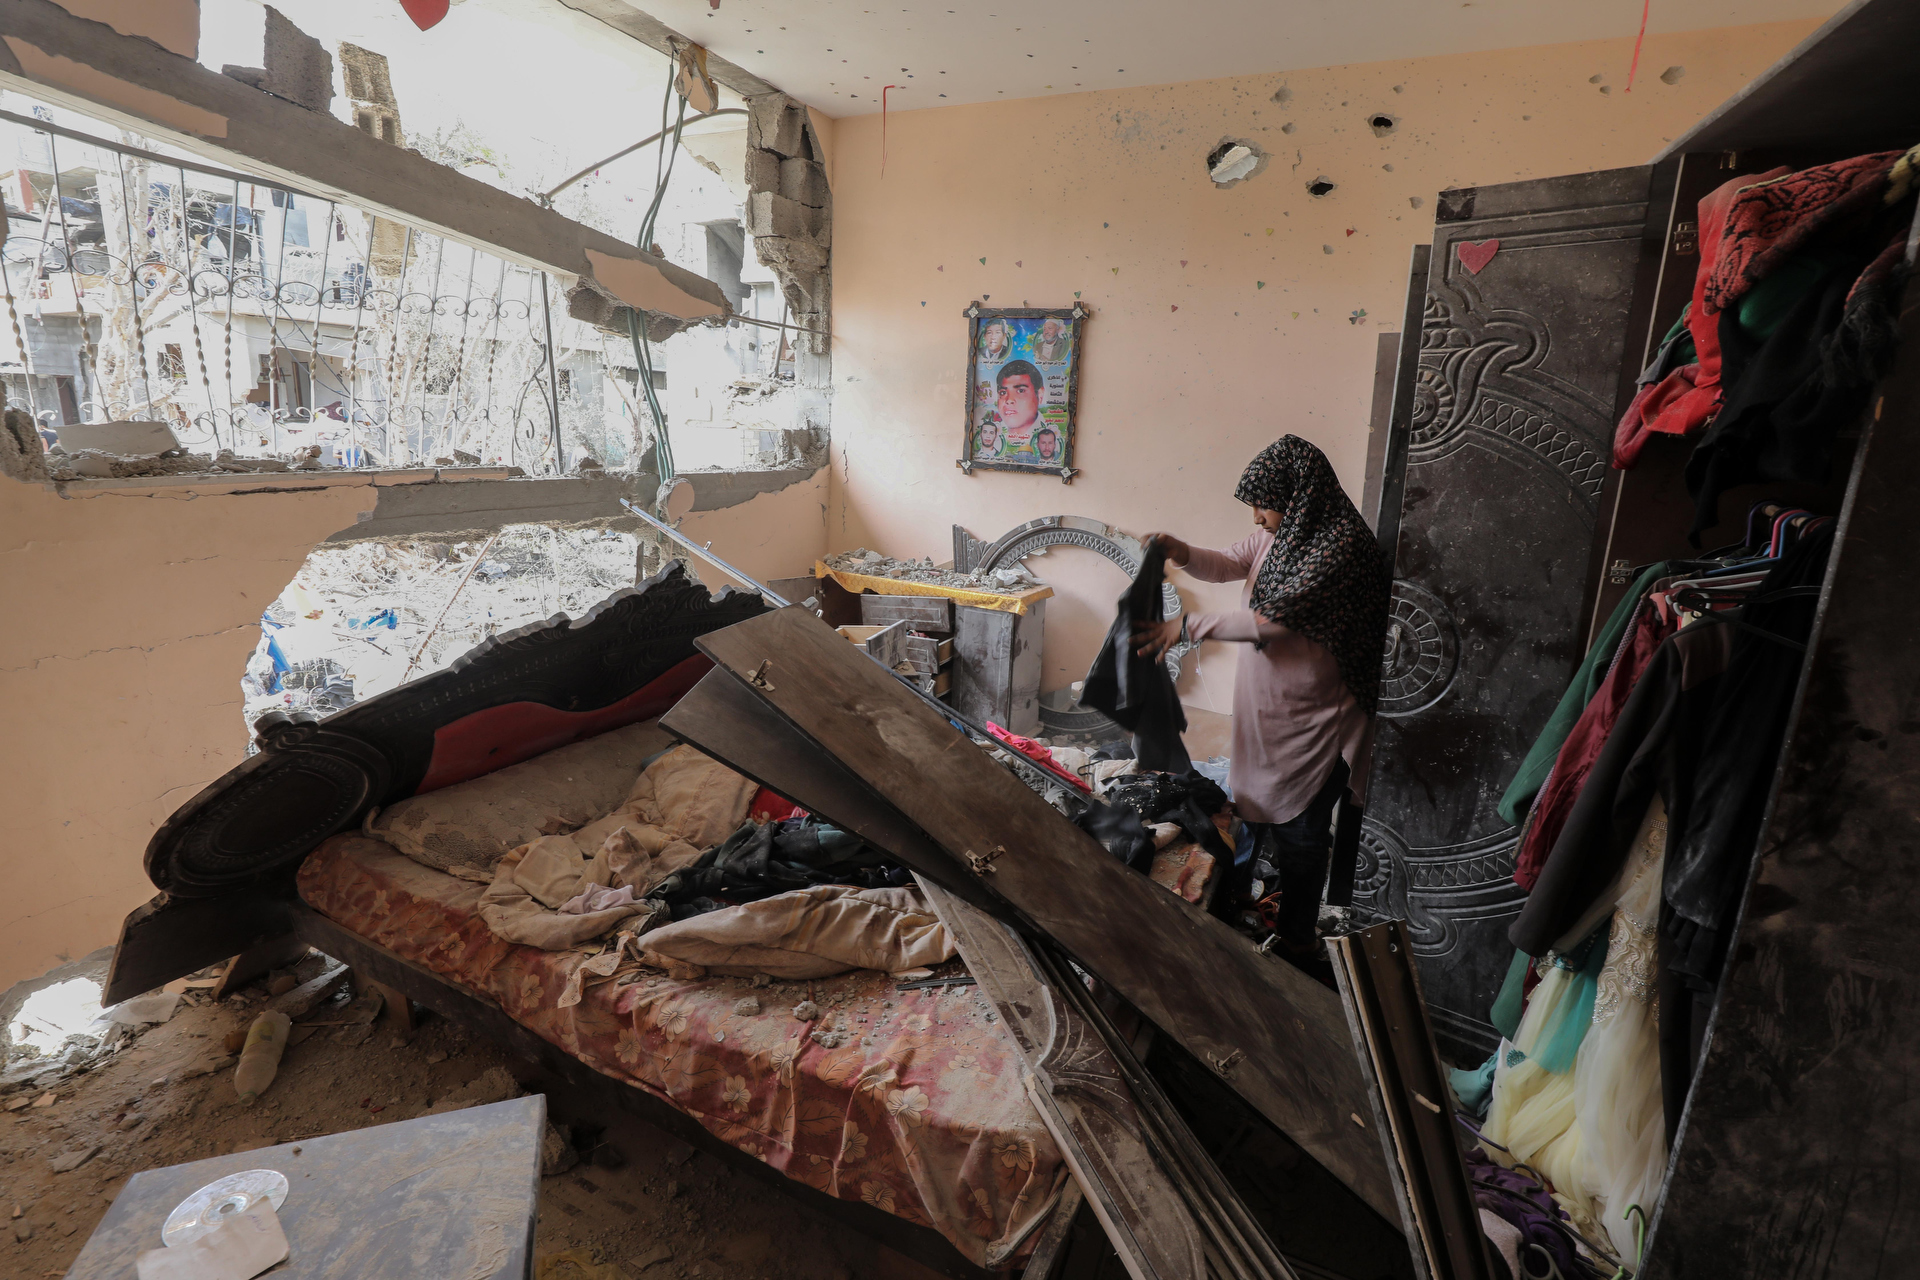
x: 425, y: 13
x: 1475, y: 257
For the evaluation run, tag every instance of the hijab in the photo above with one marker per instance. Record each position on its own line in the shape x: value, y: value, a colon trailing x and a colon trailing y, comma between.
x: 1324, y: 576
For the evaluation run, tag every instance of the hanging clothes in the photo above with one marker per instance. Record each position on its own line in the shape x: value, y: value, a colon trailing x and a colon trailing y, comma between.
x: 1586, y: 681
x: 1703, y: 728
x: 1617, y: 1096
x: 1648, y: 628
x: 1136, y: 691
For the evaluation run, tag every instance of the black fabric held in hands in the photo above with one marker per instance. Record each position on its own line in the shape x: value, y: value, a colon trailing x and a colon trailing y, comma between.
x: 1136, y: 691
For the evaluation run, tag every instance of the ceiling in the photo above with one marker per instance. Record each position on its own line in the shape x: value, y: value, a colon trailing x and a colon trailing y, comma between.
x: 837, y: 55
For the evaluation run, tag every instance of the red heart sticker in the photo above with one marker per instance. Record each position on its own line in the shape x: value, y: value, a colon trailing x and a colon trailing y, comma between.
x: 1475, y: 257
x: 425, y: 13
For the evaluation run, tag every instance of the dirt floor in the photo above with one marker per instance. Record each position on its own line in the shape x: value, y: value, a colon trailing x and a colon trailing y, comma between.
x: 665, y: 1213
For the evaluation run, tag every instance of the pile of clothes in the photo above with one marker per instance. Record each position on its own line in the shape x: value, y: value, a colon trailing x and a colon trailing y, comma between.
x: 1792, y: 320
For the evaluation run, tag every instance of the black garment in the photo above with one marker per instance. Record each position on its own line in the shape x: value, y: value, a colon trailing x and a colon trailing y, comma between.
x: 1784, y: 405
x: 1119, y: 822
x: 1296, y: 853
x: 1137, y: 691
x: 763, y: 859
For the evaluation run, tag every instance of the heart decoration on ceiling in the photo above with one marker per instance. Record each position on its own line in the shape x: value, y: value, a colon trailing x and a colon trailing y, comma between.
x: 1475, y: 257
x: 425, y: 13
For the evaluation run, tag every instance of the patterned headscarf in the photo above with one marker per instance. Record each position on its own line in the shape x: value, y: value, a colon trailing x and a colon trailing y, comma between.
x: 1324, y: 576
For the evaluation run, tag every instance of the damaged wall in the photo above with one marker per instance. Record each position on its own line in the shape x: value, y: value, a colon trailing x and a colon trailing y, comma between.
x: 1224, y: 314
x: 129, y: 620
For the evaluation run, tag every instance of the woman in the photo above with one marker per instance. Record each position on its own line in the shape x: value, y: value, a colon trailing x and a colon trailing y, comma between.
x: 1312, y: 628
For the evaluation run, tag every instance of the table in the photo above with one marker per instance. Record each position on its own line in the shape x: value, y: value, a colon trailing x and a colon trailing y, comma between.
x: 451, y: 1195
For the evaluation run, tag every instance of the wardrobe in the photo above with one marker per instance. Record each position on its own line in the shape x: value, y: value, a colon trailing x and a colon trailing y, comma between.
x: 1531, y: 315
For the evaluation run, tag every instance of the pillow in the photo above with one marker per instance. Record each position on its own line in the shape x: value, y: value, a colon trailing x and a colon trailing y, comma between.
x: 692, y: 795
x: 809, y: 933
x: 473, y: 824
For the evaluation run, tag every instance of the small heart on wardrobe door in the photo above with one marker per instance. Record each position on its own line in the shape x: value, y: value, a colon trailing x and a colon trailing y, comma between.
x: 1475, y: 257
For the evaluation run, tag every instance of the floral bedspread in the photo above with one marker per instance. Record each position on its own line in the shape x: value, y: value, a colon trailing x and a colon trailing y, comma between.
x: 908, y: 1100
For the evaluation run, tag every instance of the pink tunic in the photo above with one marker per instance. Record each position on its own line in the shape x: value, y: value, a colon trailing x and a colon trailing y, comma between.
x: 1292, y: 714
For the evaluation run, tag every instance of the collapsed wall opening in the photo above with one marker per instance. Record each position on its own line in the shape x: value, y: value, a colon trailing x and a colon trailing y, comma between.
x: 360, y: 618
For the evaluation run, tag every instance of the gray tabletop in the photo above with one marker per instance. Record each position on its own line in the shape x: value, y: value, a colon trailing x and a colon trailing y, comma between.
x: 447, y: 1197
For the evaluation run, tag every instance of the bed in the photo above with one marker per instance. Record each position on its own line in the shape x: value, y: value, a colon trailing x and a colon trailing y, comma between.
x: 901, y: 1109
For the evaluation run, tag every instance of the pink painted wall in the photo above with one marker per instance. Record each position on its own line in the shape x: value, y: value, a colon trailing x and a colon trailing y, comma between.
x: 1222, y: 318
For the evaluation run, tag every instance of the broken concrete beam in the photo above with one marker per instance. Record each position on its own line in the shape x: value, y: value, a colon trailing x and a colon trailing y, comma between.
x: 803, y: 182
x: 22, y: 456
x: 299, y: 68
x: 128, y: 439
x: 763, y: 169
x: 592, y: 306
x: 774, y: 123
x: 53, y: 56
x: 771, y: 214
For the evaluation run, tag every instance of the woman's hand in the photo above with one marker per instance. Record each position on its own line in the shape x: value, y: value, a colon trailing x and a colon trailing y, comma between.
x: 1178, y: 552
x: 1155, y: 638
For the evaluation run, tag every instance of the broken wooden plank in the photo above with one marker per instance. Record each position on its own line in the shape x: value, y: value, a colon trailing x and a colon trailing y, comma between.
x: 726, y: 720
x: 1077, y: 1083
x: 257, y: 961
x: 1274, y: 1035
x: 1412, y: 1105
x: 1077, y: 1087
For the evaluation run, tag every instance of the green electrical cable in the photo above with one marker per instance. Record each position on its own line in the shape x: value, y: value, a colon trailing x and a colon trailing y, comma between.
x: 636, y: 332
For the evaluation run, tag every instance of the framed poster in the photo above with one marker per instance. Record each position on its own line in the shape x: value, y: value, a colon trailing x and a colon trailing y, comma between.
x: 1023, y: 380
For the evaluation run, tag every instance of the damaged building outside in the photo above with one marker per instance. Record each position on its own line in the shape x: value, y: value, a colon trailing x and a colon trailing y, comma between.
x: 658, y: 595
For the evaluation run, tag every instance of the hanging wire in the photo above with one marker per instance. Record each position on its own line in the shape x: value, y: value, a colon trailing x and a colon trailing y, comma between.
x: 636, y: 331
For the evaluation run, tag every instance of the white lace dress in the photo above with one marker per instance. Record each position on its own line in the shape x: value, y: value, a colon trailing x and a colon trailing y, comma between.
x: 1616, y: 1079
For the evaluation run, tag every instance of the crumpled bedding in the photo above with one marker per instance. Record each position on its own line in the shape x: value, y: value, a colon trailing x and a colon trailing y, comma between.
x: 471, y: 824
x: 808, y: 933
x: 683, y: 804
x: 910, y: 1101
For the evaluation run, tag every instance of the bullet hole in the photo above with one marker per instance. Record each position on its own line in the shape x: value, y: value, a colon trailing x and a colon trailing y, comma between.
x: 1288, y: 127
x: 1326, y: 248
x: 1595, y: 79
x: 1382, y: 125
x: 1282, y: 94
x: 1234, y: 161
x: 1399, y: 88
x: 1606, y: 88
x: 1387, y: 167
x: 1673, y: 75
x: 1321, y: 186
x: 1415, y: 201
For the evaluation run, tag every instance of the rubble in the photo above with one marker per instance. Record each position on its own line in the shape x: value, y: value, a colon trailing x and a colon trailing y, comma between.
x: 1014, y: 578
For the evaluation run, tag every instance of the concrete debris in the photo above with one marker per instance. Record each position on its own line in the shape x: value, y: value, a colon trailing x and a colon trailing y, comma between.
x: 142, y: 1010
x: 129, y: 439
x: 68, y: 1161
x: 556, y: 1151
x: 746, y: 1006
x: 490, y: 1086
x: 22, y: 456
x: 304, y: 999
x: 94, y: 464
x: 806, y: 1011
x: 1010, y: 579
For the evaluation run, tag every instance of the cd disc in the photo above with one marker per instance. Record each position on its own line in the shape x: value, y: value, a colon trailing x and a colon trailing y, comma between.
x: 228, y: 1197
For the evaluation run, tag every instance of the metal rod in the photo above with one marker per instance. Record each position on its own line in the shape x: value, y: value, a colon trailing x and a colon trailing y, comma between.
x: 548, y: 196
x: 772, y: 597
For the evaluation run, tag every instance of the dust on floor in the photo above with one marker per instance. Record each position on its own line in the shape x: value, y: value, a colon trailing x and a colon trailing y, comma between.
x: 666, y: 1213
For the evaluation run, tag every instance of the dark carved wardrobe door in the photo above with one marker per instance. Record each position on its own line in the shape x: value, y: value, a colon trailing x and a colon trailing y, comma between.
x: 1527, y: 310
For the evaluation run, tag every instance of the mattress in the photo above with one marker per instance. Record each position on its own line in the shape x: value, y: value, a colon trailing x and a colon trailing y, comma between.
x: 910, y: 1101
